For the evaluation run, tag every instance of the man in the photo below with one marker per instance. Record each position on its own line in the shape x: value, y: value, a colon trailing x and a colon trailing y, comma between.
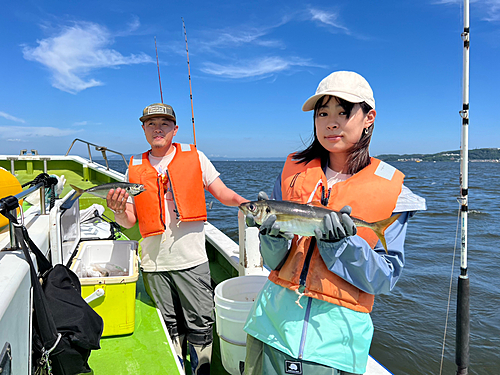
x: 171, y: 214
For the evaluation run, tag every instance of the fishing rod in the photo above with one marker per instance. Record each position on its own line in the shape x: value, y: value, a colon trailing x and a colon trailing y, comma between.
x: 189, y: 75
x: 158, y: 65
x: 463, y: 318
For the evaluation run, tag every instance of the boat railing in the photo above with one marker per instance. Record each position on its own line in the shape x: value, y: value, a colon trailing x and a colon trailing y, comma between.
x: 20, y: 196
x: 103, y: 150
x: 250, y: 260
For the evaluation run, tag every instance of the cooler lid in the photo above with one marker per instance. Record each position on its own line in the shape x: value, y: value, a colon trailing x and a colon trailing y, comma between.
x: 64, y: 230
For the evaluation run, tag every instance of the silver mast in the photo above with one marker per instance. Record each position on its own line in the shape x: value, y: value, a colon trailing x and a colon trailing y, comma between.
x: 463, y: 320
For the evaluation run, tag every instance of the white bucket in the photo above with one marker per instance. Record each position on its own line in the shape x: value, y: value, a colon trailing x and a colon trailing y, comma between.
x: 233, y: 300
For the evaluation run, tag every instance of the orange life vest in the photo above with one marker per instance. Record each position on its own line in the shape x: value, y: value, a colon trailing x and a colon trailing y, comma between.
x: 186, y: 180
x: 372, y: 194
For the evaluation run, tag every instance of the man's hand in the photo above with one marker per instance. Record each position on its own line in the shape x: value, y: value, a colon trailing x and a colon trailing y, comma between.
x: 336, y: 226
x: 117, y: 200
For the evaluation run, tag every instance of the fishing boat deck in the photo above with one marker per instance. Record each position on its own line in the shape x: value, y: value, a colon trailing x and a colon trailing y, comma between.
x: 147, y: 349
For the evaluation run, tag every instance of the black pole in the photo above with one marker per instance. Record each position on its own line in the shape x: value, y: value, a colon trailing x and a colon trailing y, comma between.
x: 463, y: 324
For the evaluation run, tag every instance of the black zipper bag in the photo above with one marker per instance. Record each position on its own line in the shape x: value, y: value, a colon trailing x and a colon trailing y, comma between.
x: 65, y: 328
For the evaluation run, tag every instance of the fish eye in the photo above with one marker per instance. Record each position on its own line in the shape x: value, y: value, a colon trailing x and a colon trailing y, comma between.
x: 252, y: 207
x: 268, y: 210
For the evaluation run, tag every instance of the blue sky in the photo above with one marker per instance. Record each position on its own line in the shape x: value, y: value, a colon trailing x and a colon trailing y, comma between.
x: 74, y: 69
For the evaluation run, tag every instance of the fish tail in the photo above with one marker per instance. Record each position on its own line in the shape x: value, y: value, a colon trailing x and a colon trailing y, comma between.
x: 379, y: 228
x: 78, y: 191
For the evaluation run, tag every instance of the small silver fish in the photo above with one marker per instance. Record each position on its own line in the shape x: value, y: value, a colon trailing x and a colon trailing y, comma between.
x: 102, y: 190
x: 302, y: 219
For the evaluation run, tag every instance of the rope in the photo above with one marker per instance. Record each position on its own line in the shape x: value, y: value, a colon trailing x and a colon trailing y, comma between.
x: 114, y: 227
x: 449, y: 294
x: 48, y: 182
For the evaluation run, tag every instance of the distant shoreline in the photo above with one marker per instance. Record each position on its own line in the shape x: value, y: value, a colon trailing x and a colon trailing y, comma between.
x: 489, y: 155
x: 485, y: 155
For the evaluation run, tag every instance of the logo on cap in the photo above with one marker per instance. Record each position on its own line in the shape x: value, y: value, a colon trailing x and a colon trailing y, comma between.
x: 154, y: 109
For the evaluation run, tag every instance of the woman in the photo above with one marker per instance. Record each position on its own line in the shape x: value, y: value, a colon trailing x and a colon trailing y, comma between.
x: 312, y: 316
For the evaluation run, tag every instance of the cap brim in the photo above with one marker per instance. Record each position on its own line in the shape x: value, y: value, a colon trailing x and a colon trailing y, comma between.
x: 147, y: 117
x: 311, y: 102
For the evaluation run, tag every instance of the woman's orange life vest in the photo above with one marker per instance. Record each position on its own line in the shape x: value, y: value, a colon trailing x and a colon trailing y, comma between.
x: 186, y: 181
x: 372, y: 194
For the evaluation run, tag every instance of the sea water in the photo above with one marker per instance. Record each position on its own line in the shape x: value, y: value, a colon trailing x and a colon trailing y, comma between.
x: 410, y: 321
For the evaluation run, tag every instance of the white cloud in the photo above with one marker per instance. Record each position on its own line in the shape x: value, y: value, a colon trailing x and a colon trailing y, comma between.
x: 12, y: 118
x: 230, y: 38
x: 77, y: 51
x: 254, y: 68
x: 327, y: 18
x: 80, y: 123
x: 237, y: 38
x: 134, y: 25
x: 223, y: 43
x: 12, y: 133
x: 491, y: 8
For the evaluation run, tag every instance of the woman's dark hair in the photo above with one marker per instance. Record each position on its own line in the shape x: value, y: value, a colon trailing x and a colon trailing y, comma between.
x: 359, y: 156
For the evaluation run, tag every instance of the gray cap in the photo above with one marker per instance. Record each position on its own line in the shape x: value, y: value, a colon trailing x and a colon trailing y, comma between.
x: 349, y: 86
x: 158, y: 110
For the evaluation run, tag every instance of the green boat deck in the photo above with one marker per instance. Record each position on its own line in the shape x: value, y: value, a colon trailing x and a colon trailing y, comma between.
x: 146, y: 350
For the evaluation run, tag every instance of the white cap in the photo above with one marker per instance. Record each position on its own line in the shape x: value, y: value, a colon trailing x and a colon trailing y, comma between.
x: 349, y: 86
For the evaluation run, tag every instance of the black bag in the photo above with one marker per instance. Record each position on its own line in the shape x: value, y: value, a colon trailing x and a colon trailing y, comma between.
x: 66, y: 328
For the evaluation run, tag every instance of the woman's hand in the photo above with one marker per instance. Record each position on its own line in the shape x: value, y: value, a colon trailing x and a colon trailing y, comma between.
x: 269, y: 227
x: 336, y: 226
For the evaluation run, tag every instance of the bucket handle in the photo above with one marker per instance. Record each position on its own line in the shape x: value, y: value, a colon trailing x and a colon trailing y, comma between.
x: 231, y: 341
x: 230, y: 319
x: 231, y: 309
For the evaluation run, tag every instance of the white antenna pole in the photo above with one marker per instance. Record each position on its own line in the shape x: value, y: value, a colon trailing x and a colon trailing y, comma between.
x: 463, y: 319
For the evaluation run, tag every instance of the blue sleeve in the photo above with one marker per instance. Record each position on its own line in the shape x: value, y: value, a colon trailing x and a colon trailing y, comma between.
x: 274, y: 249
x: 372, y: 271
x: 276, y: 194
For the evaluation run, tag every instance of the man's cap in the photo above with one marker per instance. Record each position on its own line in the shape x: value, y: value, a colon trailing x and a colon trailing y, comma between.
x: 158, y: 110
x: 349, y: 86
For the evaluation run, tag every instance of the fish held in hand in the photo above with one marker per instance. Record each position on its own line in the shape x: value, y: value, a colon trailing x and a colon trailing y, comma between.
x: 303, y: 219
x: 102, y: 190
